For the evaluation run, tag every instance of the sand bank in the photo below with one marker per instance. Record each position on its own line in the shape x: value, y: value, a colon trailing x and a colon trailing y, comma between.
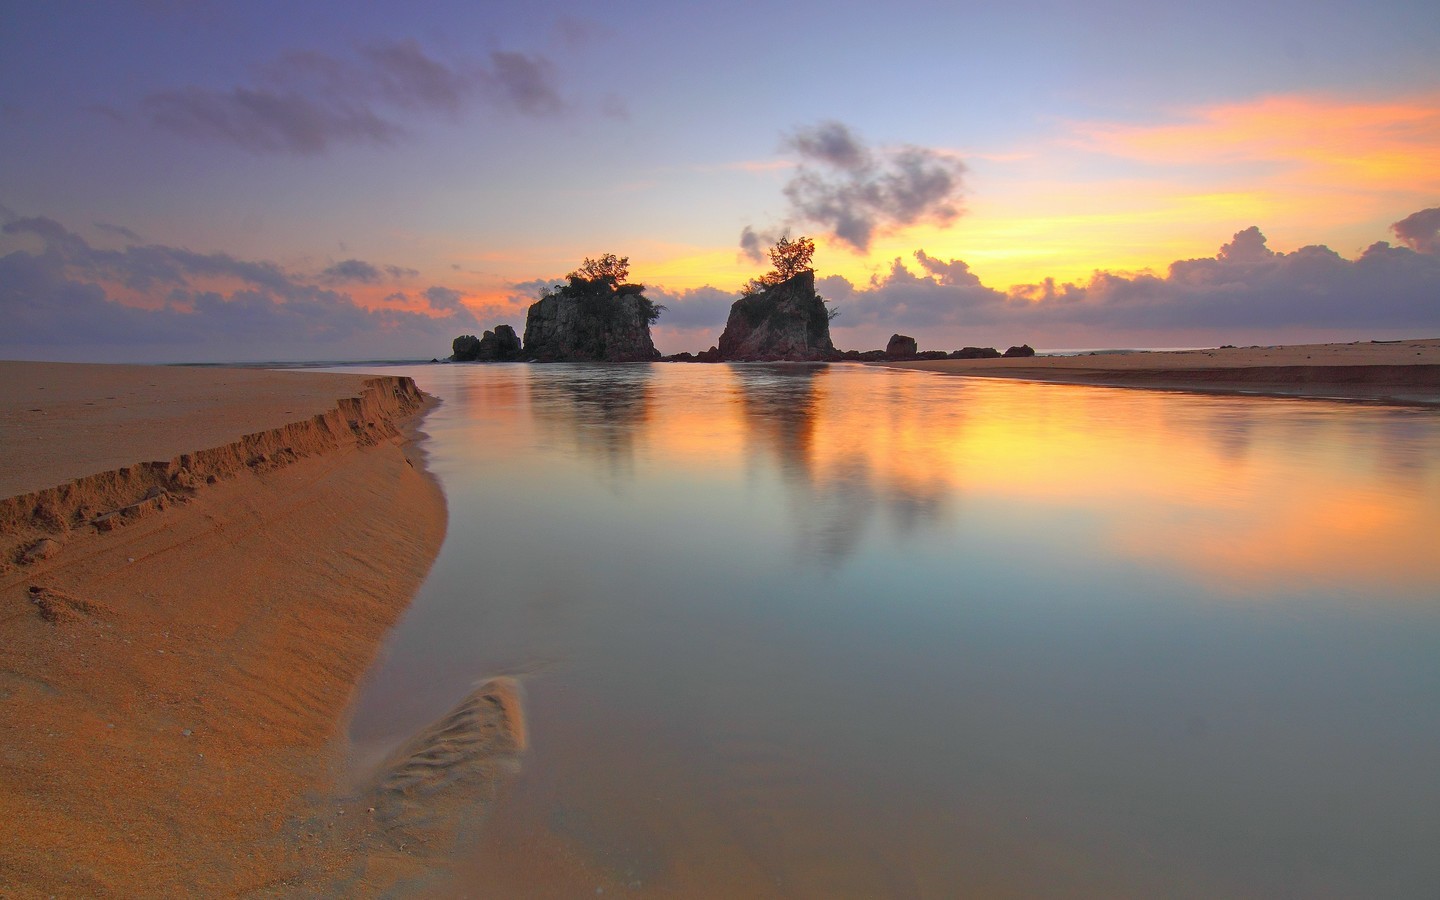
x: 1393, y: 371
x: 199, y: 566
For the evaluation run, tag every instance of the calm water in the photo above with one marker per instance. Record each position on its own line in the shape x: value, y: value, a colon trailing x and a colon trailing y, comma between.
x: 843, y: 631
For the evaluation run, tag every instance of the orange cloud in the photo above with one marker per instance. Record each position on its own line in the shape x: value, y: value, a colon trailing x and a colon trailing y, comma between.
x: 1352, y: 145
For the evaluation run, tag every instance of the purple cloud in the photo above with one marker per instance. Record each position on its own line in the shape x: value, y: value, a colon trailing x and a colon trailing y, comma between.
x: 58, y: 300
x: 1420, y: 231
x: 852, y: 193
x: 307, y: 102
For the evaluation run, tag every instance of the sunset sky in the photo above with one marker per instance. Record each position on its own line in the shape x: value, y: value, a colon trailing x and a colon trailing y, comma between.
x: 205, y: 181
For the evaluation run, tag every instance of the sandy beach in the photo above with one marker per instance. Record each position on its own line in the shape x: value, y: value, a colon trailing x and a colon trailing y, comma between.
x: 198, y: 566
x: 1392, y: 371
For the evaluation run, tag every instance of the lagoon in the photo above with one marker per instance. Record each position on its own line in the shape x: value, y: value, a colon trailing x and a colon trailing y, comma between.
x: 831, y: 631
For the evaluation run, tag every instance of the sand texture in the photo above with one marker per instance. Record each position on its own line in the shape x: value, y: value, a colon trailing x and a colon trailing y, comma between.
x: 192, y: 587
x: 1391, y: 371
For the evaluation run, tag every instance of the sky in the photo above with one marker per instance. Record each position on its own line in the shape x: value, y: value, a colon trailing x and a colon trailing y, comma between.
x: 197, y: 181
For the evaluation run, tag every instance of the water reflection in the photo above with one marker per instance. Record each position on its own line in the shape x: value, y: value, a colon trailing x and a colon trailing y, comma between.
x: 834, y: 485
x: 1042, y: 639
x: 603, y: 410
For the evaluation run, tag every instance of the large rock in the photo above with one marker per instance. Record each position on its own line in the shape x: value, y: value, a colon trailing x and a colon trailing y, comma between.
x: 788, y: 321
x: 1021, y: 351
x: 609, y: 325
x: 901, y: 346
x: 500, y: 345
x: 975, y: 353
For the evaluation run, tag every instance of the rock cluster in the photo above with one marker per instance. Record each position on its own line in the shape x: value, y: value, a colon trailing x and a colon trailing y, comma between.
x: 499, y: 345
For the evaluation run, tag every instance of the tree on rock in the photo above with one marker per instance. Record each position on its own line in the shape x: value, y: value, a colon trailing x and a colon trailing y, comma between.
x: 611, y: 269
x: 789, y: 258
x: 779, y: 315
x: 595, y: 315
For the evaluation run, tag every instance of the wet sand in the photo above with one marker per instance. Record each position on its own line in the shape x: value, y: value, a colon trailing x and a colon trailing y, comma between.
x: 196, y: 568
x: 1391, y: 371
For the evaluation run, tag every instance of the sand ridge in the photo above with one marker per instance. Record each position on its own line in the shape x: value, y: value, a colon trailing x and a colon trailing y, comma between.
x: 174, y: 688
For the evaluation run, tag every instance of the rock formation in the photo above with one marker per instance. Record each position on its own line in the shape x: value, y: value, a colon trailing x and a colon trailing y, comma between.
x: 787, y: 321
x: 500, y: 345
x: 901, y: 346
x: 1022, y: 350
x: 591, y: 321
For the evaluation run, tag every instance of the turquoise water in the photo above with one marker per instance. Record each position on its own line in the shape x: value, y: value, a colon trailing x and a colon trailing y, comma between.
x: 843, y: 631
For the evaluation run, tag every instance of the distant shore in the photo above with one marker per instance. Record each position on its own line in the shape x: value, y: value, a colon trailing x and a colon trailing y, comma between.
x: 199, y: 566
x: 1405, y: 371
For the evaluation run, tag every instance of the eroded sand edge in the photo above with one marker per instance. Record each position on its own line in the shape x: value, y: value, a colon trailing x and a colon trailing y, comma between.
x: 176, y: 669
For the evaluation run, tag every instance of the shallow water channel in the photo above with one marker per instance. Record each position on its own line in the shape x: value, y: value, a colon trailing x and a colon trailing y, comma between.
x: 831, y: 631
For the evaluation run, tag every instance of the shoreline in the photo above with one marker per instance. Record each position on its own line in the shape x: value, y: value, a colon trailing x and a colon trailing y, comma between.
x: 1397, y: 372
x: 179, y: 652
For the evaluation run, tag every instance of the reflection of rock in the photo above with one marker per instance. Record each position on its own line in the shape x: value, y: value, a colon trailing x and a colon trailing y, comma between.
x: 596, y: 323
x: 604, y: 409
x: 901, y: 346
x: 788, y: 321
x: 500, y: 345
x: 834, y: 497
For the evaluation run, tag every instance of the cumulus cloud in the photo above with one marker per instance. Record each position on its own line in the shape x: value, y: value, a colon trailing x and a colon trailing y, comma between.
x: 443, y: 298
x: 1246, y: 288
x: 65, y: 297
x: 853, y: 192
x: 1420, y: 231
x: 306, y: 102
x: 702, y: 307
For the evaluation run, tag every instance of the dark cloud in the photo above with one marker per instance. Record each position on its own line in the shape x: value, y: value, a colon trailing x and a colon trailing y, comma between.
x: 832, y: 144
x: 443, y: 298
x: 306, y: 102
x: 357, y: 271
x: 525, y: 82
x: 265, y: 121
x: 62, y: 298
x: 405, y: 76
x: 1420, y: 231
x: 121, y: 231
x: 115, y: 116
x: 853, y: 193
x: 754, y: 244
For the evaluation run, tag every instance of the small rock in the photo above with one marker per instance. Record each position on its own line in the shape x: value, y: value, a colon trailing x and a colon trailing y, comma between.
x: 41, y: 549
x: 186, y: 732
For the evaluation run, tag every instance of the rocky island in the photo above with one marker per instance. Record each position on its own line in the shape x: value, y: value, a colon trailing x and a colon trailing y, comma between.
x: 596, y: 316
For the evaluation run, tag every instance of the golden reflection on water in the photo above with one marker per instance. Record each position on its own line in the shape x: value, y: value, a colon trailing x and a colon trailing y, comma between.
x: 1240, y: 492
x: 790, y: 630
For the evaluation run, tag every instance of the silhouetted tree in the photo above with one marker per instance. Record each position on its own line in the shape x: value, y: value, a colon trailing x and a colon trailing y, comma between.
x: 609, y: 268
x: 598, y: 282
x: 789, y: 258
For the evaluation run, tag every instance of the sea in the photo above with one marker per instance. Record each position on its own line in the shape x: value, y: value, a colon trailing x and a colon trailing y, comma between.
x: 843, y: 631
